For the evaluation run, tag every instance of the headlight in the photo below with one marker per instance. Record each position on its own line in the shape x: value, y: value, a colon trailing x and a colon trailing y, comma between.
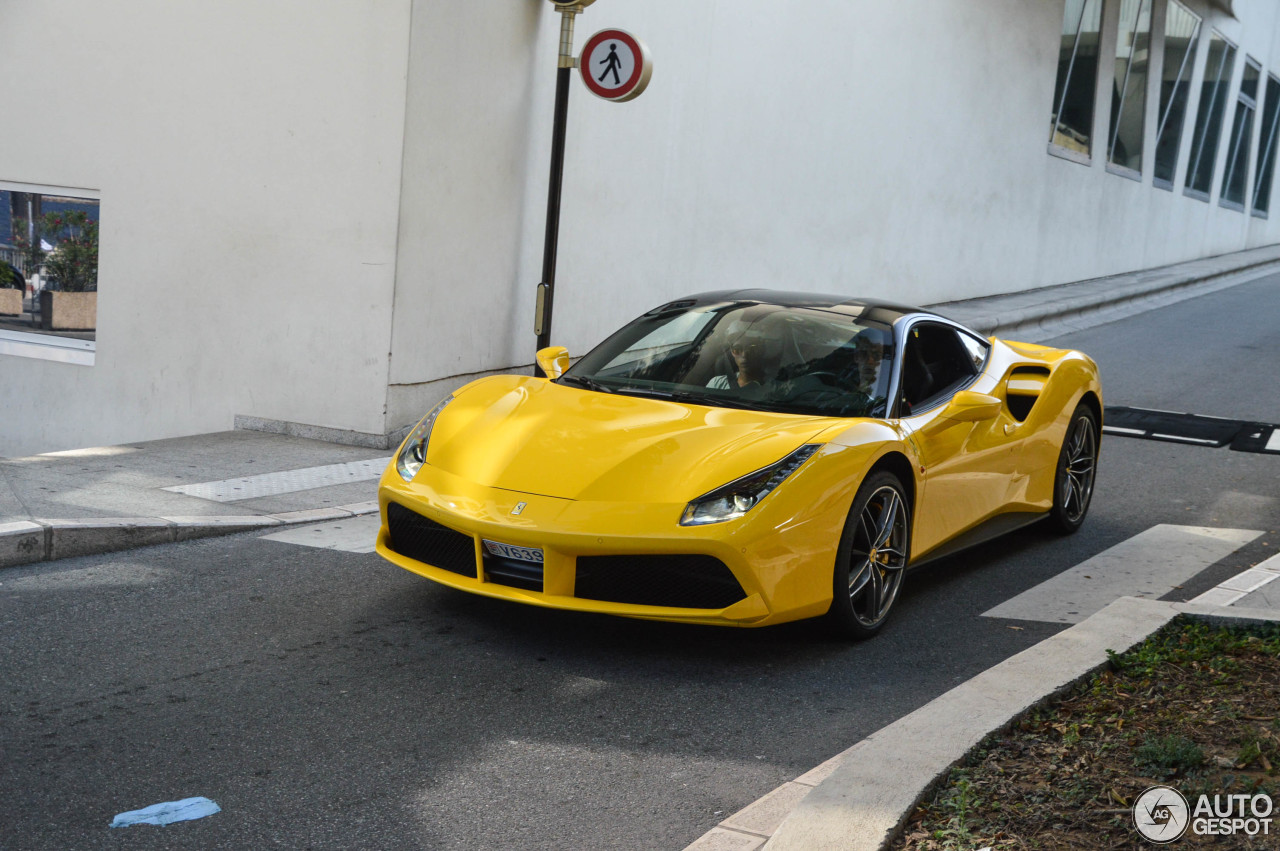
x: 738, y: 497
x: 414, y: 452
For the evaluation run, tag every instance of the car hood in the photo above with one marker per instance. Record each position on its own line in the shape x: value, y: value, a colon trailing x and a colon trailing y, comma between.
x: 533, y: 436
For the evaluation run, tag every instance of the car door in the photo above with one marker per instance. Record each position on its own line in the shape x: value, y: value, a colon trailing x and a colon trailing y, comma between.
x: 965, y: 446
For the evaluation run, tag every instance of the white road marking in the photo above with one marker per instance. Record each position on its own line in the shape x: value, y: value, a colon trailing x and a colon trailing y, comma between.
x: 1273, y: 444
x: 352, y: 535
x: 1150, y: 564
x: 1120, y: 430
x: 285, y: 481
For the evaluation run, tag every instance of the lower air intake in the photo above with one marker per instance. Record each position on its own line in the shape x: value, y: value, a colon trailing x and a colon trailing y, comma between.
x: 422, y: 539
x: 678, y: 581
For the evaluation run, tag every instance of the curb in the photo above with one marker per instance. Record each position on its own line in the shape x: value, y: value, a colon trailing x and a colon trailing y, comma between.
x: 30, y: 541
x: 860, y: 799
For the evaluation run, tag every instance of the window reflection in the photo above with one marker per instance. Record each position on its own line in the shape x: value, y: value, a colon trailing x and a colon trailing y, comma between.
x: 1129, y: 100
x: 1181, y: 34
x: 1213, y: 102
x: 1072, y: 119
x: 48, y: 264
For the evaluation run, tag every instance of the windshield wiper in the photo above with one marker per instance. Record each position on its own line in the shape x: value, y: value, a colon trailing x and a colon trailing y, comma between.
x: 586, y: 383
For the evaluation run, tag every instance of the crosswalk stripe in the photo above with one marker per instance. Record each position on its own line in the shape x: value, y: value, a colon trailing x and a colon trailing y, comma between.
x: 285, y: 481
x: 1150, y: 564
x: 350, y: 535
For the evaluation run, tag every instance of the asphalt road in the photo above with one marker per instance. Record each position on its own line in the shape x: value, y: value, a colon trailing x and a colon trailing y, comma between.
x: 331, y: 700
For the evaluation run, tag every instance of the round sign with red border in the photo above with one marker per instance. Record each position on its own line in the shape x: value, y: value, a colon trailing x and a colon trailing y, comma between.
x: 615, y: 65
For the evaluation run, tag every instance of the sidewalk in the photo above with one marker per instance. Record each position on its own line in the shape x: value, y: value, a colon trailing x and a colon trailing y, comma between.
x: 96, y: 500
x: 102, y: 499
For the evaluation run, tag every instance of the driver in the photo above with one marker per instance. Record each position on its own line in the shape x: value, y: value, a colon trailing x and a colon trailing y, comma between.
x: 751, y: 364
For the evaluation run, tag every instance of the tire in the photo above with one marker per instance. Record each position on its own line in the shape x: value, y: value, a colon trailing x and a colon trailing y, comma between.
x: 1074, y: 475
x: 872, y: 557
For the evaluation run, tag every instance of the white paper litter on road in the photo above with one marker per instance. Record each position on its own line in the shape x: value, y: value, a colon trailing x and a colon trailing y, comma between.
x: 168, y: 812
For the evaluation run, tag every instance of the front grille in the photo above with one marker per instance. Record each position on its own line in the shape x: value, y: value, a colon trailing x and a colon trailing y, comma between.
x: 682, y: 581
x: 421, y: 539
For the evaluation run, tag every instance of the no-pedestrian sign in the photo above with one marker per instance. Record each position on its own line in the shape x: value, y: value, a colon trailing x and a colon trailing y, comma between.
x: 615, y: 65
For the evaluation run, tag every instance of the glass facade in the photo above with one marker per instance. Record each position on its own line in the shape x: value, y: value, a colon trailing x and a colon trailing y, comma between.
x: 1213, y: 102
x: 1129, y: 97
x: 1073, y: 95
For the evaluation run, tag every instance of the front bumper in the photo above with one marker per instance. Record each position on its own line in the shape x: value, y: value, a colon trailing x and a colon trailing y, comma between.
x: 627, y: 559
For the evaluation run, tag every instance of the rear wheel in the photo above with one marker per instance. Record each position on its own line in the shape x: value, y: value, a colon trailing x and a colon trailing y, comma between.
x: 872, y: 557
x: 1077, y: 465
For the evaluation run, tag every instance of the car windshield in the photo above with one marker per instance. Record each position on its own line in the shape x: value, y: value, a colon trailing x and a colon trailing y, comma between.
x: 795, y: 360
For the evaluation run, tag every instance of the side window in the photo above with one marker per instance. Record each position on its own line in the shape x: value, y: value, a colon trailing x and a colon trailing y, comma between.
x: 936, y: 364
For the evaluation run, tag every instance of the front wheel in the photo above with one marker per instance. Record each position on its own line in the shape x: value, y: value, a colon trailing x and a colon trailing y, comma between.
x: 1077, y: 466
x: 871, y: 558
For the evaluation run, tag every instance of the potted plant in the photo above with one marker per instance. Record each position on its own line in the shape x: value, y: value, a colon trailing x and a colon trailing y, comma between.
x: 12, y: 287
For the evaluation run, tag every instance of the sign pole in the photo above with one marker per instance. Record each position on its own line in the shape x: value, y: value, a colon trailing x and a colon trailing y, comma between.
x: 546, y: 289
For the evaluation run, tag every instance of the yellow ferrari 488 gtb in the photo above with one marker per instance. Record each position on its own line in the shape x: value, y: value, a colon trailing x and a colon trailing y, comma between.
x: 744, y: 458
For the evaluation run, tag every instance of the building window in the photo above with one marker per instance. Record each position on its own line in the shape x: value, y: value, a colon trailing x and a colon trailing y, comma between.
x: 1129, y: 100
x: 1181, y: 34
x: 1073, y: 95
x: 1267, y: 148
x: 1241, y: 139
x: 48, y: 272
x: 1213, y: 102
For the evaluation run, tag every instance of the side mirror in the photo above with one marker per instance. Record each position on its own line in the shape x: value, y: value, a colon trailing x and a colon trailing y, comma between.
x: 970, y: 407
x: 554, y: 360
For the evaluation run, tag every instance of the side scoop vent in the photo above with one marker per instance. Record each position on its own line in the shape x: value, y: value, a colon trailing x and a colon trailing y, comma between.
x: 1023, y: 388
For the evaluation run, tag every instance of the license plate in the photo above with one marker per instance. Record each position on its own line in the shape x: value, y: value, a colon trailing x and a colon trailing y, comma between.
x: 530, y: 554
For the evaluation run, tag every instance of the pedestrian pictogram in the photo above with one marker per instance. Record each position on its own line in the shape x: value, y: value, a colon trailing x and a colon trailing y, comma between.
x: 615, y: 65
x: 611, y: 63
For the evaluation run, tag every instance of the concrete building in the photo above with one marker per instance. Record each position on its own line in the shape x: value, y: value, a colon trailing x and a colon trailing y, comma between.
x: 324, y: 215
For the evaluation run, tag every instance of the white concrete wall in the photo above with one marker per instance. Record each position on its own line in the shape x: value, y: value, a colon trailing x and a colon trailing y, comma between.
x: 248, y: 158
x: 475, y: 87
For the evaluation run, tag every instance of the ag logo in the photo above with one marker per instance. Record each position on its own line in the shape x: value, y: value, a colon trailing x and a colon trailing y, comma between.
x: 1161, y: 814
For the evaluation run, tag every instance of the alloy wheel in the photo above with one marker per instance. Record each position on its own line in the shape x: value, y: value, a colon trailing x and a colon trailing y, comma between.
x: 878, y: 556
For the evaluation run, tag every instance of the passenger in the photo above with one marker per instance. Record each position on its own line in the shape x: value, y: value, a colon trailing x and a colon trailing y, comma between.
x: 868, y: 356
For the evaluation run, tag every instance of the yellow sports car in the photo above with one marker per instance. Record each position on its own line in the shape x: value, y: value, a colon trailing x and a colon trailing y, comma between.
x: 743, y: 458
